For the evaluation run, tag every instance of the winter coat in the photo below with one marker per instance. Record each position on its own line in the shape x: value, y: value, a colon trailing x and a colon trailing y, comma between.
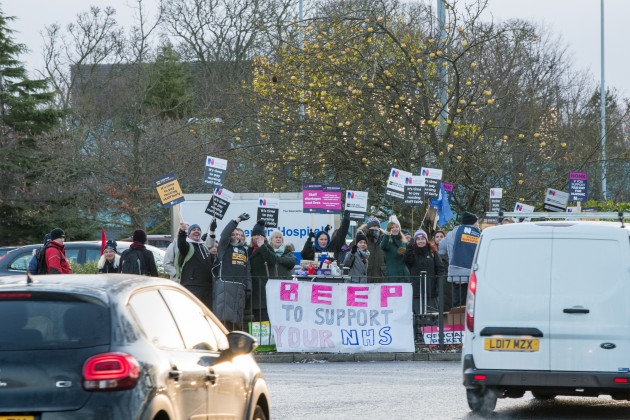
x: 358, y: 265
x: 171, y: 256
x: 376, y: 263
x: 150, y: 268
x: 56, y: 261
x: 284, y: 264
x: 194, y: 266
x: 105, y: 266
x: 234, y: 279
x: 423, y: 259
x: 394, y: 247
x: 261, y: 261
x: 335, y: 244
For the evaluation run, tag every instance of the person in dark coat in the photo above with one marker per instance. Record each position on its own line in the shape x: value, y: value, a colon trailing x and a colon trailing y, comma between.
x: 356, y: 260
x: 233, y: 284
x: 394, y: 245
x: 321, y: 242
x: 261, y: 259
x: 422, y: 257
x: 194, y: 263
x: 110, y: 260
x: 148, y: 266
x: 376, y: 264
x: 286, y: 259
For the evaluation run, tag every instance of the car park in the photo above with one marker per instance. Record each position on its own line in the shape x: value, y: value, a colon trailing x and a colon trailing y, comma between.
x: 79, y: 252
x: 119, y: 346
x: 547, y: 312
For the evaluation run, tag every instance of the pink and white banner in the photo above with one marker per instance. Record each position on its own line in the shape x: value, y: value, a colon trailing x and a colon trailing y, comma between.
x: 340, y: 317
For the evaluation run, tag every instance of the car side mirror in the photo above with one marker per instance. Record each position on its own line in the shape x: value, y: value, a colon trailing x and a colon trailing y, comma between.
x: 241, y: 343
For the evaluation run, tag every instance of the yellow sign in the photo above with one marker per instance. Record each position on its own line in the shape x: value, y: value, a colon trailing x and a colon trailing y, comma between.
x: 169, y: 190
x: 511, y: 344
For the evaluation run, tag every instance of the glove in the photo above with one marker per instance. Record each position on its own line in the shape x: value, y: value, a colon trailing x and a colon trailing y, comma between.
x: 401, y: 250
x: 327, y: 228
x: 311, y: 235
x: 244, y: 217
x: 204, y: 237
x: 354, y: 249
x: 346, y: 214
x: 213, y: 225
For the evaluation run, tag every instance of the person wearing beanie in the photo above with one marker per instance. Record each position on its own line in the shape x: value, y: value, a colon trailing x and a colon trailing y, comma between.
x: 56, y: 261
x: 321, y: 246
x: 357, y: 260
x: 262, y: 257
x: 394, y: 245
x: 110, y: 260
x: 233, y: 282
x: 194, y: 263
x: 458, y: 247
x: 373, y: 234
x: 426, y: 271
x: 138, y: 259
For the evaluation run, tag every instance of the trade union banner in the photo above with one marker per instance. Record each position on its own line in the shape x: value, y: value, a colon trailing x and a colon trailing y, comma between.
x: 340, y: 317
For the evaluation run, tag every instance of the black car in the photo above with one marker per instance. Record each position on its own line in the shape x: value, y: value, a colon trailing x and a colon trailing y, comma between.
x: 79, y: 252
x: 119, y: 346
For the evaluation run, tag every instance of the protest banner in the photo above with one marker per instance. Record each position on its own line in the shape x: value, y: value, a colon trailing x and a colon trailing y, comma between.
x: 215, y: 171
x: 396, y: 184
x: 219, y: 203
x: 340, y: 317
x: 321, y: 198
x: 356, y: 204
x: 414, y: 191
x: 433, y: 179
x: 578, y: 186
x: 169, y: 190
x: 268, y: 210
x: 555, y: 200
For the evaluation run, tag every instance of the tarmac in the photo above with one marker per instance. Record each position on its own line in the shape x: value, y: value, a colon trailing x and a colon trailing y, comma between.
x: 356, y: 357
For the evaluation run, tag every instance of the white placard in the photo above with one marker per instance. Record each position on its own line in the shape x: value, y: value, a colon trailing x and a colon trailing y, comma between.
x: 356, y: 201
x: 396, y: 183
x: 555, y: 200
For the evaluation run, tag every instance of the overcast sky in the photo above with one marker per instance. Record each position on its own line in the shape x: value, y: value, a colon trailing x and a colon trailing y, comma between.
x: 576, y: 21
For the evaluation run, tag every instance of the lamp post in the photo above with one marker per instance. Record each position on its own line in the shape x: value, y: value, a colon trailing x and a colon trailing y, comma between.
x: 602, y: 100
x: 441, y: 17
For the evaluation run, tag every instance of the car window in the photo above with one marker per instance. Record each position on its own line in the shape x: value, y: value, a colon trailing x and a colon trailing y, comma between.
x: 92, y: 254
x: 72, y: 254
x: 192, y: 321
x: 155, y: 319
x: 43, y: 321
x: 21, y: 262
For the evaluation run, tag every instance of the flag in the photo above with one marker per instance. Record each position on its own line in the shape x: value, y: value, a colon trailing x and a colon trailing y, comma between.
x: 103, y: 240
x: 443, y: 207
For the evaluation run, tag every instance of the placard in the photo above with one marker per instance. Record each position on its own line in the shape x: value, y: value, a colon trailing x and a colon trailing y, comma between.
x: 414, y: 191
x: 555, y: 200
x: 268, y: 210
x: 340, y: 318
x: 321, y: 198
x: 578, y: 186
x: 432, y: 182
x: 169, y: 190
x: 356, y: 204
x: 396, y: 184
x: 216, y: 169
x: 219, y: 203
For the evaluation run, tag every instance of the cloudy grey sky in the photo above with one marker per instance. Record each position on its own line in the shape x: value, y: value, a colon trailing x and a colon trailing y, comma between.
x: 577, y: 22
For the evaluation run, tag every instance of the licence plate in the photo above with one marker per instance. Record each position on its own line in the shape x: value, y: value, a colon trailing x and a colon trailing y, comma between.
x: 17, y: 417
x: 511, y: 344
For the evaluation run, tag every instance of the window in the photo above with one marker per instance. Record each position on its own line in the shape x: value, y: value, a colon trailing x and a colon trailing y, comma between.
x: 92, y: 254
x: 72, y: 254
x: 155, y: 319
x: 191, y: 320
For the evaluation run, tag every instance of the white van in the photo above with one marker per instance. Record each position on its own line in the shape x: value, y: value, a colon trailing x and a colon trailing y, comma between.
x: 548, y: 311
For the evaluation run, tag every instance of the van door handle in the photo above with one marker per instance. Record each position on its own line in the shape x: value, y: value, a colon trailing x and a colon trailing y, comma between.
x: 576, y: 311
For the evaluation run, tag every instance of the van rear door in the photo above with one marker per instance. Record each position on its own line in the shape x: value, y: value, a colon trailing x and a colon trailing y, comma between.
x: 513, y: 284
x: 590, y: 308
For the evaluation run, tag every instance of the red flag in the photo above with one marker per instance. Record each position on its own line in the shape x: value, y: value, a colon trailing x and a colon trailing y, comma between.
x: 103, y: 240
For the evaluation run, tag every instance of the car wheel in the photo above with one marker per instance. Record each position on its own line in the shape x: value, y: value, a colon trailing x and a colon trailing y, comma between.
x: 259, y: 413
x: 481, y: 401
x: 540, y: 395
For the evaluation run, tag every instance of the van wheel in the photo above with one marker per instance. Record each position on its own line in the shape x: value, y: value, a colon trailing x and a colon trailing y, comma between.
x: 259, y: 413
x: 541, y: 395
x: 481, y: 401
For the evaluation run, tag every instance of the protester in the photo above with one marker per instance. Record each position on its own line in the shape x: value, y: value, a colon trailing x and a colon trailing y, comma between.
x: 423, y: 260
x: 33, y: 266
x: 138, y: 259
x: 376, y: 267
x: 110, y: 260
x: 394, y: 245
x: 56, y: 261
x: 357, y: 260
x: 438, y: 236
x: 170, y: 260
x: 261, y: 257
x: 233, y: 284
x: 459, y: 247
x: 286, y: 259
x: 406, y: 234
x: 194, y: 263
x: 321, y: 243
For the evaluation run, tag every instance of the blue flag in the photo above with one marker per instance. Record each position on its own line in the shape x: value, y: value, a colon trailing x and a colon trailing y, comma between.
x: 443, y: 207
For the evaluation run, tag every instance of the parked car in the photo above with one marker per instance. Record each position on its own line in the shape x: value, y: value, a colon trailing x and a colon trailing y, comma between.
x: 80, y: 252
x: 546, y: 313
x: 120, y: 346
x: 158, y: 241
x: 5, y: 249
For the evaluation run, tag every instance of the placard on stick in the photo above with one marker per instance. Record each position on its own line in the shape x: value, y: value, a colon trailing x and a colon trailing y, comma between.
x: 219, y: 203
x: 169, y: 190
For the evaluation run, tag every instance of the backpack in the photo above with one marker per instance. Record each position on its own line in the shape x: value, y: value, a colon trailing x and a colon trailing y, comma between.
x: 132, y: 262
x: 38, y: 265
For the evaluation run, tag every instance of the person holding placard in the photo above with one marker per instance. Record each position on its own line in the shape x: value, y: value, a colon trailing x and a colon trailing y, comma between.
x: 261, y: 258
x: 394, y: 245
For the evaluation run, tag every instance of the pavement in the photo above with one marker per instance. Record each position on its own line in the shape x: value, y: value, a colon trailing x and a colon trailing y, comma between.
x: 356, y: 357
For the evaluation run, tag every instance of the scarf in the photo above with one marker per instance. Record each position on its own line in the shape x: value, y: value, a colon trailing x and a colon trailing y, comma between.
x: 279, y: 251
x: 202, y: 247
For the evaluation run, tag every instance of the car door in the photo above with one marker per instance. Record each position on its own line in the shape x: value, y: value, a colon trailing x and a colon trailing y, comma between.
x: 186, y: 379
x: 590, y: 305
x: 227, y: 380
